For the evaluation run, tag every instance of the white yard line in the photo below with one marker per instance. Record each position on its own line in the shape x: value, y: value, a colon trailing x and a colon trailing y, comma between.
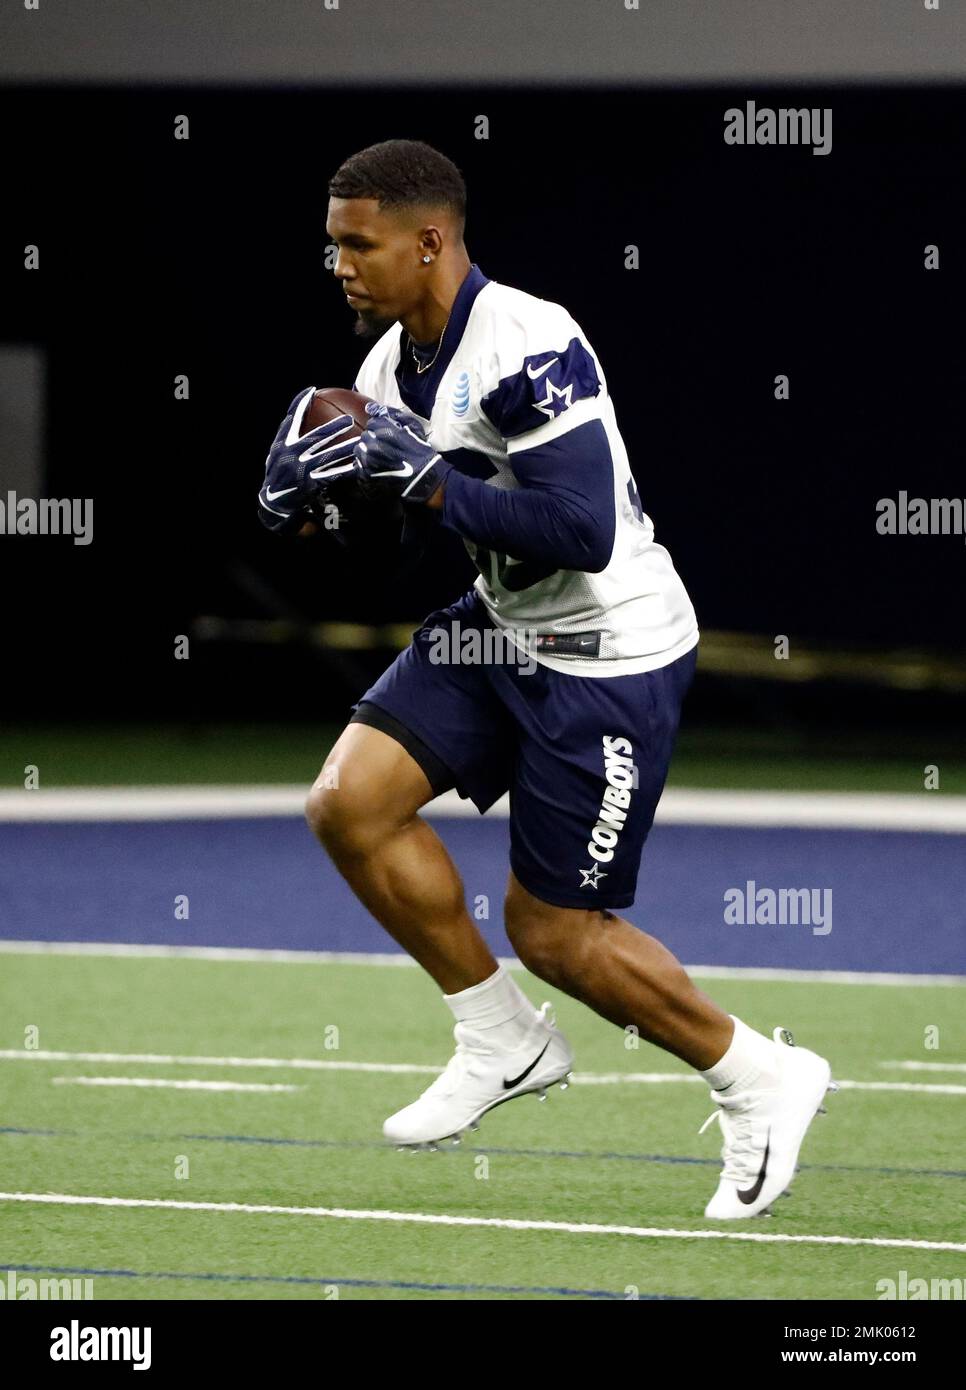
x: 161, y: 1059
x: 616, y: 1078
x: 268, y: 956
x: 927, y: 1066
x: 580, y: 1228
x: 644, y: 1078
x: 920, y: 811
x: 172, y: 1085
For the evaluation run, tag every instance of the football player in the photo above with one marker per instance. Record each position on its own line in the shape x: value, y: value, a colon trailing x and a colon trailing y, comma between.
x: 494, y: 418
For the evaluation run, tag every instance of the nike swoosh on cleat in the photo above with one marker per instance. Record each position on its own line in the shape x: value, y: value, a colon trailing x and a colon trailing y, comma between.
x: 751, y: 1194
x: 508, y: 1085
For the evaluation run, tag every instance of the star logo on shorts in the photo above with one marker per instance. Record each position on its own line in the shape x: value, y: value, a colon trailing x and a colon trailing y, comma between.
x: 592, y: 876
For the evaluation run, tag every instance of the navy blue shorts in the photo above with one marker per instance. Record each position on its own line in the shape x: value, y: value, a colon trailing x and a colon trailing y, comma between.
x: 584, y: 758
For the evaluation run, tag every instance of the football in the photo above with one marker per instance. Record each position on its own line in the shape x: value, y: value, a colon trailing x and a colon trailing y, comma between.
x: 330, y: 401
x: 327, y: 403
x: 357, y: 516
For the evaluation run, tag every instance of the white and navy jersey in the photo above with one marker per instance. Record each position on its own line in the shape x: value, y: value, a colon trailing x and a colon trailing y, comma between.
x: 542, y: 492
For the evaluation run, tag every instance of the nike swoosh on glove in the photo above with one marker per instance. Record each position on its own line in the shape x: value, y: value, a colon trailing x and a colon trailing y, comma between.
x: 298, y: 469
x: 394, y: 456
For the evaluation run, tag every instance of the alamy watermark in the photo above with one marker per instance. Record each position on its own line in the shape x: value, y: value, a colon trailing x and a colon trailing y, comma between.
x: 913, y: 1290
x: 764, y: 125
x: 489, y: 646
x: 24, y: 1288
x: 921, y: 516
x: 77, y: 1343
x: 767, y: 907
x: 48, y: 516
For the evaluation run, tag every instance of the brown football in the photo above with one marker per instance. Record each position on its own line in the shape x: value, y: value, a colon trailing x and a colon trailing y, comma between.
x: 326, y: 404
x: 330, y: 401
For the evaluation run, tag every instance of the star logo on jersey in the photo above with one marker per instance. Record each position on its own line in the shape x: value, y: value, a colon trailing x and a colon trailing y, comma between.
x: 592, y: 877
x: 556, y: 401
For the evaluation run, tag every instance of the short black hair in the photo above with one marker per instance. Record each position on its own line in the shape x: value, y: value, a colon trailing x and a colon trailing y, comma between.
x: 400, y: 174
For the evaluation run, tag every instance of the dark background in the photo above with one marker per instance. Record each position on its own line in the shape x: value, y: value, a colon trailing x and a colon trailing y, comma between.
x: 205, y: 257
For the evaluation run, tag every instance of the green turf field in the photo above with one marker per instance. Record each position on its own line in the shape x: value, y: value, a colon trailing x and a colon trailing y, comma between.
x: 881, y: 1164
x: 180, y: 754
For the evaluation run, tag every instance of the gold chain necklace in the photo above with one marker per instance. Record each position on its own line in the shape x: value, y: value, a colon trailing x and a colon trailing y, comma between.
x: 412, y: 349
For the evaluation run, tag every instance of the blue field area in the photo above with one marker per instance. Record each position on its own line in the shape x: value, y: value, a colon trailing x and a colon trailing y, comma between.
x: 898, y: 899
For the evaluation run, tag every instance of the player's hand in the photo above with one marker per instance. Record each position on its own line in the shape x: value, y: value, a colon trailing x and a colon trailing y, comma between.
x: 297, y: 469
x: 399, y: 415
x: 394, y: 457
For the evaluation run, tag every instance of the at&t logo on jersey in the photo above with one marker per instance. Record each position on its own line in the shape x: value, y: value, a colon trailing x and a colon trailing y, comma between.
x: 461, y: 394
x: 620, y: 775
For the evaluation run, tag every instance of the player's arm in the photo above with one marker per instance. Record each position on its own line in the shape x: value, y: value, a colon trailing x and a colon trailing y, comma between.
x: 561, y: 517
x: 546, y: 406
x: 563, y: 513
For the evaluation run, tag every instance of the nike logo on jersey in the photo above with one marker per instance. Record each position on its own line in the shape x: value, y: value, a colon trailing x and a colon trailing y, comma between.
x: 540, y: 370
x: 751, y: 1193
x: 274, y: 496
x: 509, y: 1084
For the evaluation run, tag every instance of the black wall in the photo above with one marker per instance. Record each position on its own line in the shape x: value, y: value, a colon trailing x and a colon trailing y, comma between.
x: 204, y: 257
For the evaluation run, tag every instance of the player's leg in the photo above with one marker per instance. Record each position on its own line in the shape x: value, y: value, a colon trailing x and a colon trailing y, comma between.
x: 363, y: 807
x: 592, y: 763
x: 424, y: 727
x: 620, y: 972
x: 593, y: 759
x: 767, y: 1091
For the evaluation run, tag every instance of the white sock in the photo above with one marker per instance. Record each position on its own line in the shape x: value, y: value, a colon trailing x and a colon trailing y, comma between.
x: 749, y: 1063
x: 496, y: 1003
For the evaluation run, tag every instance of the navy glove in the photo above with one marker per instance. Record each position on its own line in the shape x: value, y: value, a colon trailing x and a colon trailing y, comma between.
x: 394, y: 457
x: 298, y: 470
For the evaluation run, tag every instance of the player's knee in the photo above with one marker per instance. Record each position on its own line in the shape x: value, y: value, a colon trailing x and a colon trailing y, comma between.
x: 321, y: 812
x: 535, y: 933
x: 552, y: 942
x: 338, y: 814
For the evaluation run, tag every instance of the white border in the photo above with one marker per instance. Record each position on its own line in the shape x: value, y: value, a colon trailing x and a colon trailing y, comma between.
x: 917, y: 811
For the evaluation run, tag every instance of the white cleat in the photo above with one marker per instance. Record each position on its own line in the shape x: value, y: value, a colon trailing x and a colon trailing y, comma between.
x: 479, y: 1077
x: 763, y: 1132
